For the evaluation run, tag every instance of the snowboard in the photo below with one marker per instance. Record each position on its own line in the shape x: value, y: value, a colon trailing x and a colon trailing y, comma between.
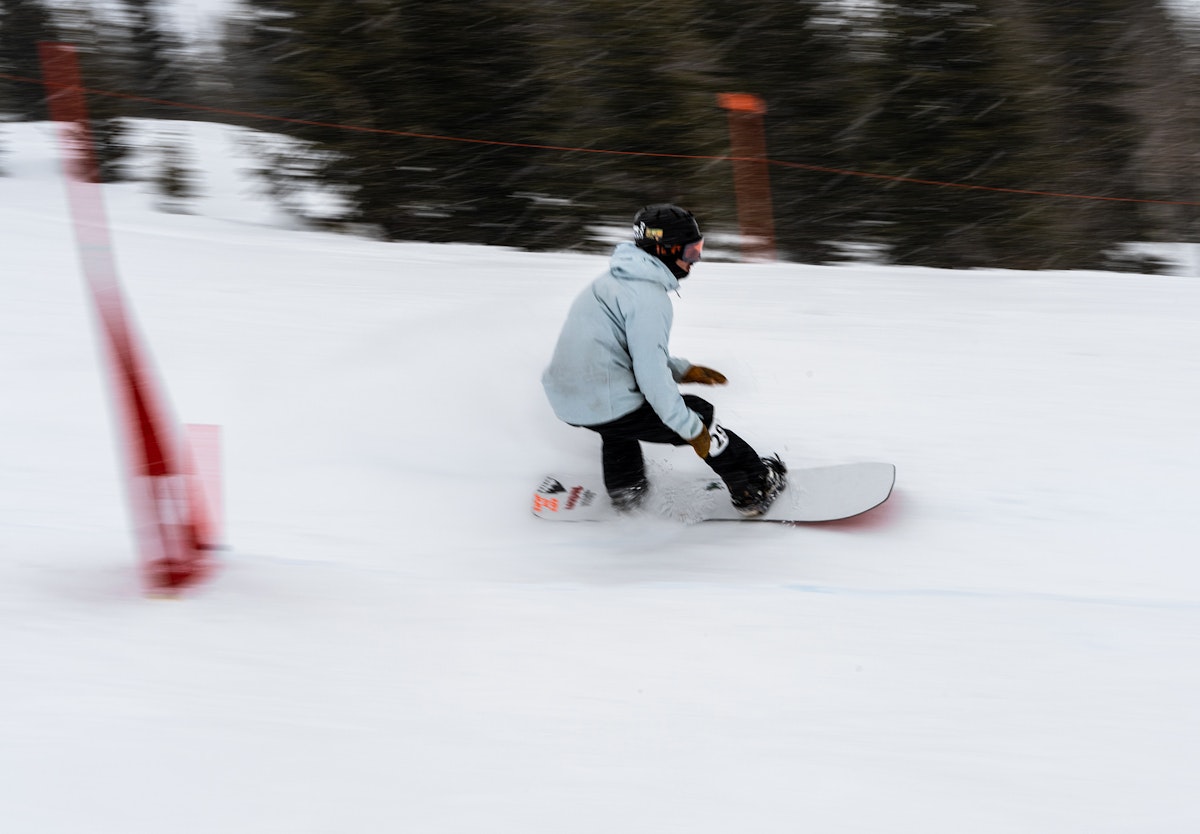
x: 814, y: 494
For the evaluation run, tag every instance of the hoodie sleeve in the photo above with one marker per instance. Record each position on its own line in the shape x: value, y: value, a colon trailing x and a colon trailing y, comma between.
x: 647, y: 331
x: 679, y: 367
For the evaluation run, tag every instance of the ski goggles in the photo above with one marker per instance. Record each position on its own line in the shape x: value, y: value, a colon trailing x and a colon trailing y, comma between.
x: 692, y: 251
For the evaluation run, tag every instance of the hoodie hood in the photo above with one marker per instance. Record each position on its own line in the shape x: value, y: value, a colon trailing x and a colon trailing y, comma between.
x: 632, y: 264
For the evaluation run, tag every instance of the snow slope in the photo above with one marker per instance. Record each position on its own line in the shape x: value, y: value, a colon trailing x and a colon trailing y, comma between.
x: 394, y: 643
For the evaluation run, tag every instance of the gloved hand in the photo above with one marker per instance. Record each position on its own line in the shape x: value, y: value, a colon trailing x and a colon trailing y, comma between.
x: 704, y: 376
x: 701, y: 442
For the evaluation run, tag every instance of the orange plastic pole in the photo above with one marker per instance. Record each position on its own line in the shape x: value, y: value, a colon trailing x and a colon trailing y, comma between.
x: 750, y: 174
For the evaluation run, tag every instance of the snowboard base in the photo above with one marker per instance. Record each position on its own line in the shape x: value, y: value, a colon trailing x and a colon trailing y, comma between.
x: 815, y: 494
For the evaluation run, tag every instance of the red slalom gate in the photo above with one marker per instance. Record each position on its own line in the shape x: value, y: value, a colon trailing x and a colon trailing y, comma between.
x: 172, y: 478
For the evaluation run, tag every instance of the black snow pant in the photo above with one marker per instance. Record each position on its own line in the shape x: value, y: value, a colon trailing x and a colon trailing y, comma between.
x: 730, y: 457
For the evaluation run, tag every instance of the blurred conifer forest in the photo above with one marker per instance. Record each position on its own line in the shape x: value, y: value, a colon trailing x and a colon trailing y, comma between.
x: 1092, y: 98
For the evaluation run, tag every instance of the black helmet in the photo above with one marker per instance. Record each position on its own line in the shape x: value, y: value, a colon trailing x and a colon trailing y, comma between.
x: 670, y: 234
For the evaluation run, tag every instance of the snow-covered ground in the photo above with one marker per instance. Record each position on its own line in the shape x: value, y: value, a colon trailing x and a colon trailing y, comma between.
x: 394, y: 643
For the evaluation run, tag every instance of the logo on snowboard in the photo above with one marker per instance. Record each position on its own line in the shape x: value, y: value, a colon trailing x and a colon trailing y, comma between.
x: 548, y: 497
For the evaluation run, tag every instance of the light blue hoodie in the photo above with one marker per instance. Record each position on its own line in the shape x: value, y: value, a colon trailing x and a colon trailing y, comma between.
x: 612, y: 355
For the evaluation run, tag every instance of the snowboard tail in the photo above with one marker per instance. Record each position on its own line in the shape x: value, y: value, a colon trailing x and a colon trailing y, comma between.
x: 815, y: 494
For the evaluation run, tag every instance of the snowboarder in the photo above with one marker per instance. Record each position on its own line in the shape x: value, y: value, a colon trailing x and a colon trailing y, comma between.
x: 612, y: 373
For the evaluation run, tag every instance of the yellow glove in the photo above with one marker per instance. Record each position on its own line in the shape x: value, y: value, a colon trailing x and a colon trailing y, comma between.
x: 701, y: 442
x: 704, y: 376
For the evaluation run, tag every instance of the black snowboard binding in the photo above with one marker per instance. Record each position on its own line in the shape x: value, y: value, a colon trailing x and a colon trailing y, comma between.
x: 760, y: 493
x: 630, y: 498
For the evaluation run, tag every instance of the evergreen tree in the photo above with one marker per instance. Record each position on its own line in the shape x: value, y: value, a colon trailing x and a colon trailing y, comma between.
x: 629, y: 77
x: 950, y: 109
x: 498, y: 70
x: 467, y: 73
x: 1085, y: 117
x: 154, y: 52
x: 1166, y: 103
x: 23, y: 23
x: 254, y: 43
x: 1183, y: 160
x: 1008, y: 94
x: 438, y: 68
x: 801, y: 61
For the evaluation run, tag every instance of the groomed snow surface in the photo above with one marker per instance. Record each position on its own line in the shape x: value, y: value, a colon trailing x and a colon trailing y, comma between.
x: 394, y: 643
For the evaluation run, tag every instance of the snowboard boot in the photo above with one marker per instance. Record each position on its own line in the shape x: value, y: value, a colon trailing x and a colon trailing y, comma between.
x: 630, y: 498
x: 760, y: 493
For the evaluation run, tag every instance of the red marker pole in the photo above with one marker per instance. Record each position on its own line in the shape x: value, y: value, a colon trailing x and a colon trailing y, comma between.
x: 174, y: 521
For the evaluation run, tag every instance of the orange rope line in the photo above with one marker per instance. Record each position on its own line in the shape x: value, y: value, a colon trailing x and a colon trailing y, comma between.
x: 605, y: 151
